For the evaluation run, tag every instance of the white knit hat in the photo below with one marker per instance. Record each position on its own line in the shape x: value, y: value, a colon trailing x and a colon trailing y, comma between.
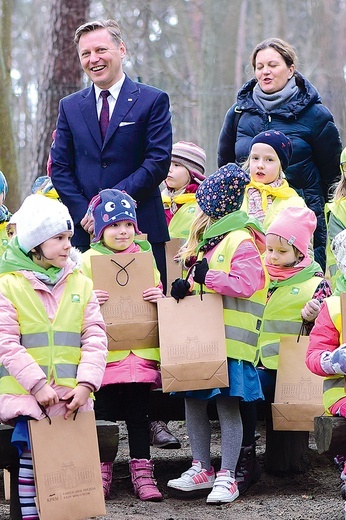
x: 40, y: 218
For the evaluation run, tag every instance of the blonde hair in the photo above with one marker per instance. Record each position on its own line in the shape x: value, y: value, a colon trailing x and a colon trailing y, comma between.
x: 111, y: 25
x: 199, y: 225
x: 339, y: 189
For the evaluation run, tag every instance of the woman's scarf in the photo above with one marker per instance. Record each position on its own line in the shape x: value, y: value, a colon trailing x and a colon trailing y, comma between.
x: 269, y: 102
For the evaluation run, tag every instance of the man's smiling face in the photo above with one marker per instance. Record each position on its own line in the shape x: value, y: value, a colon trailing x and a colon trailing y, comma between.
x: 101, y: 57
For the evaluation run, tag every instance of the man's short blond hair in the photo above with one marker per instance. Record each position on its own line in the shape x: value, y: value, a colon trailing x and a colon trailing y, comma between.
x: 111, y: 25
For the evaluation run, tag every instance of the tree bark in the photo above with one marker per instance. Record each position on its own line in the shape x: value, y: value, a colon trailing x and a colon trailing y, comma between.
x: 61, y: 73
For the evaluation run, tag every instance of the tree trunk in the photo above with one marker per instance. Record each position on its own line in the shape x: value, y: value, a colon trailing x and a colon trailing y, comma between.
x: 61, y: 73
x: 8, y: 160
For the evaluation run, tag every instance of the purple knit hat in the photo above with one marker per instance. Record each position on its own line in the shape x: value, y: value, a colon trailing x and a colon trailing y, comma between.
x: 111, y: 206
x: 223, y: 191
x: 192, y: 157
x: 279, y: 142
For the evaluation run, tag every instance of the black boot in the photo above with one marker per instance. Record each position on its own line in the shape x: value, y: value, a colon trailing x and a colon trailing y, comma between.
x: 247, y: 471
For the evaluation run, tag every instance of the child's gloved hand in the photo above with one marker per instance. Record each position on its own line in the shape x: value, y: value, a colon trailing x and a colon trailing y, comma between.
x: 338, y: 360
x: 311, y: 310
x: 180, y: 288
x: 200, y: 271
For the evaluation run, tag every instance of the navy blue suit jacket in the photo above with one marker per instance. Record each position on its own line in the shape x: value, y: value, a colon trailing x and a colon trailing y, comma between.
x: 135, y: 155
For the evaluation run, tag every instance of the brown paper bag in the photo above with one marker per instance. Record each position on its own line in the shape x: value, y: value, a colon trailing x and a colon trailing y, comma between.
x: 192, y: 343
x: 174, y: 269
x: 67, y: 467
x: 298, y: 392
x: 131, y: 321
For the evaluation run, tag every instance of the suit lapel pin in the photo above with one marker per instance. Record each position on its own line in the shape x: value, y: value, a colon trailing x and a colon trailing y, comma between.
x: 129, y: 99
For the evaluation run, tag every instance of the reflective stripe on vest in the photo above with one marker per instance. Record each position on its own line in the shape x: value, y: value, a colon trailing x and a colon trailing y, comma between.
x: 55, y: 346
x: 334, y: 386
x: 40, y: 339
x: 282, y: 317
x: 242, y: 316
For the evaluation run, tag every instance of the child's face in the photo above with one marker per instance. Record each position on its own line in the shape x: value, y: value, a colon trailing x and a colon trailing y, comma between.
x: 55, y: 251
x: 178, y: 176
x: 279, y: 252
x: 119, y: 236
x: 265, y: 165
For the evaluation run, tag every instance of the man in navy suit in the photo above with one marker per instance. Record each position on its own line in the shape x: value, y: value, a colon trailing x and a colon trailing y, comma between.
x: 134, y: 155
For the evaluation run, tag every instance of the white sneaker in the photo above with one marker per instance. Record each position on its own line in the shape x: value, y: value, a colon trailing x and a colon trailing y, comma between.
x: 194, y: 478
x: 225, y: 488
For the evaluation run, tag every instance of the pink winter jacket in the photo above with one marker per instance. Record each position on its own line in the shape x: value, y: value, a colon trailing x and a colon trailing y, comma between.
x: 28, y: 373
x: 323, y: 337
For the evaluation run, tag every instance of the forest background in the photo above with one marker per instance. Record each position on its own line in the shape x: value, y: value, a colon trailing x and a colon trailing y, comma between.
x: 196, y: 50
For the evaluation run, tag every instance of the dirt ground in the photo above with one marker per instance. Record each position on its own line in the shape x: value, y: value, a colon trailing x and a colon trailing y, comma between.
x: 311, y: 496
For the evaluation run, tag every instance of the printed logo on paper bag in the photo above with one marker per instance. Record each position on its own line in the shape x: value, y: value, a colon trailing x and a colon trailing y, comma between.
x: 304, y: 390
x: 194, y: 348
x: 71, y: 478
x: 125, y: 309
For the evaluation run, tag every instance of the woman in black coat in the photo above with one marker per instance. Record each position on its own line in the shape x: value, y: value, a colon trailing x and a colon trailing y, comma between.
x: 280, y: 98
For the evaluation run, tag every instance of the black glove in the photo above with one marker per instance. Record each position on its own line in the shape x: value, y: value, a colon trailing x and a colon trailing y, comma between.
x: 180, y: 288
x: 201, y: 269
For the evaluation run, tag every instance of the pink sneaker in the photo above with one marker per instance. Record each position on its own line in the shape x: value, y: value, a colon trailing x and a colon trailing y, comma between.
x: 194, y: 478
x: 225, y: 488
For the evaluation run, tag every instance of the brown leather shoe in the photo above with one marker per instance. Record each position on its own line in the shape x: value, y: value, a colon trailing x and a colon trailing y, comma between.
x: 161, y: 437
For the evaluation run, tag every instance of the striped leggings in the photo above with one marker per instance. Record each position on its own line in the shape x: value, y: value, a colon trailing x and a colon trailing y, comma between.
x: 26, y: 487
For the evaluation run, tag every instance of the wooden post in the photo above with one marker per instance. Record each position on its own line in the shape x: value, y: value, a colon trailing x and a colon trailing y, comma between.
x: 7, y: 484
x: 330, y: 435
x: 286, y: 451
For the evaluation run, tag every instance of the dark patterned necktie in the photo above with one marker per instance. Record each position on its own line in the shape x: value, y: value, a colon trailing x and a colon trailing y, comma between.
x: 104, y: 115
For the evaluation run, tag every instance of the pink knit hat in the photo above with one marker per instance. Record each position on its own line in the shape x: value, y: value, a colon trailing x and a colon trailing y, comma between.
x: 192, y: 157
x: 296, y: 225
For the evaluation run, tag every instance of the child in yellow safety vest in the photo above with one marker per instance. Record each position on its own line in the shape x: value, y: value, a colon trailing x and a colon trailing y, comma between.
x: 335, y: 215
x: 296, y: 291
x: 326, y: 355
x: 43, y: 295
x: 266, y: 195
x: 130, y: 375
x: 229, y: 263
x: 268, y: 192
x: 186, y: 173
